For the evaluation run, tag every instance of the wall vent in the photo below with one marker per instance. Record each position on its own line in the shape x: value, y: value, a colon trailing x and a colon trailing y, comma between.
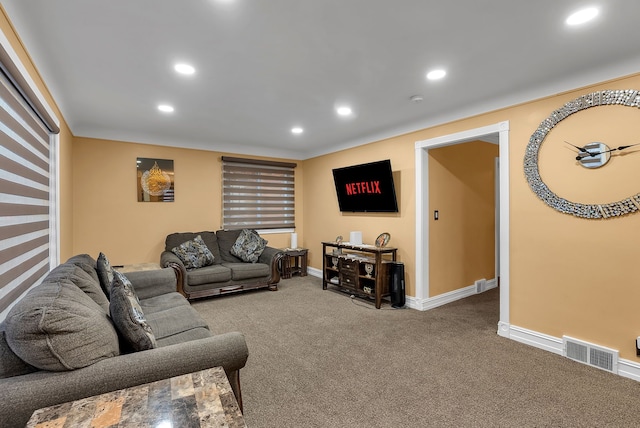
x: 590, y: 354
x: 481, y: 285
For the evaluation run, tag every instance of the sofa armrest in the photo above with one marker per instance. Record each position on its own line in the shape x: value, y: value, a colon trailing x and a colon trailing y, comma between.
x: 272, y: 256
x: 20, y: 396
x: 151, y: 283
x: 169, y: 259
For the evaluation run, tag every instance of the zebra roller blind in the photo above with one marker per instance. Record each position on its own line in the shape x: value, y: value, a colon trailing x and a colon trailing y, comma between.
x: 257, y: 194
x: 26, y: 215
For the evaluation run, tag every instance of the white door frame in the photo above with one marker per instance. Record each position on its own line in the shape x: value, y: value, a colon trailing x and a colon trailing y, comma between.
x: 422, y: 299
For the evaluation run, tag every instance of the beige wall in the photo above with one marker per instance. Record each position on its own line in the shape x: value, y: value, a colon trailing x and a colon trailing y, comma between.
x: 462, y: 240
x: 108, y: 217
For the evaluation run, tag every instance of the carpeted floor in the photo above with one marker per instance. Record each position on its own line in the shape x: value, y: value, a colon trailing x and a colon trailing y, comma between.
x: 320, y: 359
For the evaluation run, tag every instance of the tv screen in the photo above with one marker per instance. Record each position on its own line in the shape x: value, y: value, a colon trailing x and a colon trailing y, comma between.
x: 366, y: 188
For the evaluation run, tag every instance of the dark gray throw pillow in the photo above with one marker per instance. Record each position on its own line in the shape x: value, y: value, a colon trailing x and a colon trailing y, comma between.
x: 249, y: 246
x: 194, y: 254
x: 127, y: 315
x: 105, y: 274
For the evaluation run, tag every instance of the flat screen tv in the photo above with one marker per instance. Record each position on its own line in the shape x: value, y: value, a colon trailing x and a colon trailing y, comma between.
x: 366, y: 188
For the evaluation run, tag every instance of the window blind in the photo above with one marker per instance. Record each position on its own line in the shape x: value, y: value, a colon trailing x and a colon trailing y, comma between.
x: 257, y: 194
x: 26, y: 214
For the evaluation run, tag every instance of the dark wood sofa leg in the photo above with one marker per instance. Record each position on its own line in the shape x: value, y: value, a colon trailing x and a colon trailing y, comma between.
x: 235, y: 386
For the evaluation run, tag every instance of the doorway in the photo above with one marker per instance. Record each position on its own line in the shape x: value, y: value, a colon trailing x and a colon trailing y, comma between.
x: 499, y: 133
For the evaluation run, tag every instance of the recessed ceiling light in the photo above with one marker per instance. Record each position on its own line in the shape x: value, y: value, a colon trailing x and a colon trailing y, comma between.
x: 297, y: 130
x: 344, y: 110
x: 436, y: 74
x: 165, y: 108
x: 582, y: 16
x: 184, y: 69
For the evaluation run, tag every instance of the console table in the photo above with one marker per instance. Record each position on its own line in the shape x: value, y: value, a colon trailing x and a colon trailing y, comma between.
x: 200, y: 399
x: 299, y: 258
x: 359, y: 269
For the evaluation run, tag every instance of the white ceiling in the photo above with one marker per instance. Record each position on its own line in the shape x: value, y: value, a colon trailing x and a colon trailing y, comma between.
x: 264, y: 66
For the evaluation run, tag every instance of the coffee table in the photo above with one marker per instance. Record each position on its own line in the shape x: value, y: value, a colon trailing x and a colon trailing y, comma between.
x: 200, y: 399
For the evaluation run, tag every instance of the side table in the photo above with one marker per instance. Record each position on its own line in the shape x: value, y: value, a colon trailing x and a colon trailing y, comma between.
x: 299, y: 258
x: 199, y: 399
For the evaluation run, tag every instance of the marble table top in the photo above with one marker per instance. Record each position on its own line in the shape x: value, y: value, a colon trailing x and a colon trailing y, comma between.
x: 200, y: 399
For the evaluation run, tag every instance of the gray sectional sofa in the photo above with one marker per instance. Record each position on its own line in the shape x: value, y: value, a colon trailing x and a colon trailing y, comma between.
x: 60, y: 343
x: 228, y: 273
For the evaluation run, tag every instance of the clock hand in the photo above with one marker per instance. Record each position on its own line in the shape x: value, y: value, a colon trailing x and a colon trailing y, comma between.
x: 582, y: 149
x: 584, y: 153
x: 613, y: 150
x: 622, y: 147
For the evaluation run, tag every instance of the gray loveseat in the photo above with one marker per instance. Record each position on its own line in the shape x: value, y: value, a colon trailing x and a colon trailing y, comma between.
x: 228, y: 273
x: 64, y: 327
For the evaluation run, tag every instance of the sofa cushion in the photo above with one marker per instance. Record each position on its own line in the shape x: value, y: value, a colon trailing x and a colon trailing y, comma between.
x: 105, y: 274
x: 162, y: 302
x: 57, y: 327
x: 185, y: 336
x: 127, y: 315
x: 242, y: 271
x: 208, y: 275
x: 83, y: 280
x: 194, y: 254
x: 226, y: 239
x: 209, y: 239
x: 86, y: 263
x: 10, y: 364
x: 175, y: 320
x: 248, y: 246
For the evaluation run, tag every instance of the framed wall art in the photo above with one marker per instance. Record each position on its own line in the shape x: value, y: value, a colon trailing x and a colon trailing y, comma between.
x: 155, y: 179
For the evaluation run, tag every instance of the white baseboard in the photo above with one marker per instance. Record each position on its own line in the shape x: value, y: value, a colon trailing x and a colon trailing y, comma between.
x: 629, y: 369
x: 445, y: 298
x: 315, y: 272
x: 449, y: 297
x: 535, y: 339
x: 626, y: 368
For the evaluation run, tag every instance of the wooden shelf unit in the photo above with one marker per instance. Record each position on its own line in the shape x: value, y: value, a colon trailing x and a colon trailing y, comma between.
x: 347, y: 270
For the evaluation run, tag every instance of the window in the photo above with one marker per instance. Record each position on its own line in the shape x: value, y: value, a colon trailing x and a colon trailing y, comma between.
x: 28, y: 225
x: 257, y: 194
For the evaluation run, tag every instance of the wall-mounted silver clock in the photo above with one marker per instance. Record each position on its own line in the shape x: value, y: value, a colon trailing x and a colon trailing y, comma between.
x: 592, y: 155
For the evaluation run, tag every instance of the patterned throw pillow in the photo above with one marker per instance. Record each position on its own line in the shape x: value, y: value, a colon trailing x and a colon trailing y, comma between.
x: 127, y: 315
x: 194, y: 254
x: 105, y: 274
x: 248, y: 246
